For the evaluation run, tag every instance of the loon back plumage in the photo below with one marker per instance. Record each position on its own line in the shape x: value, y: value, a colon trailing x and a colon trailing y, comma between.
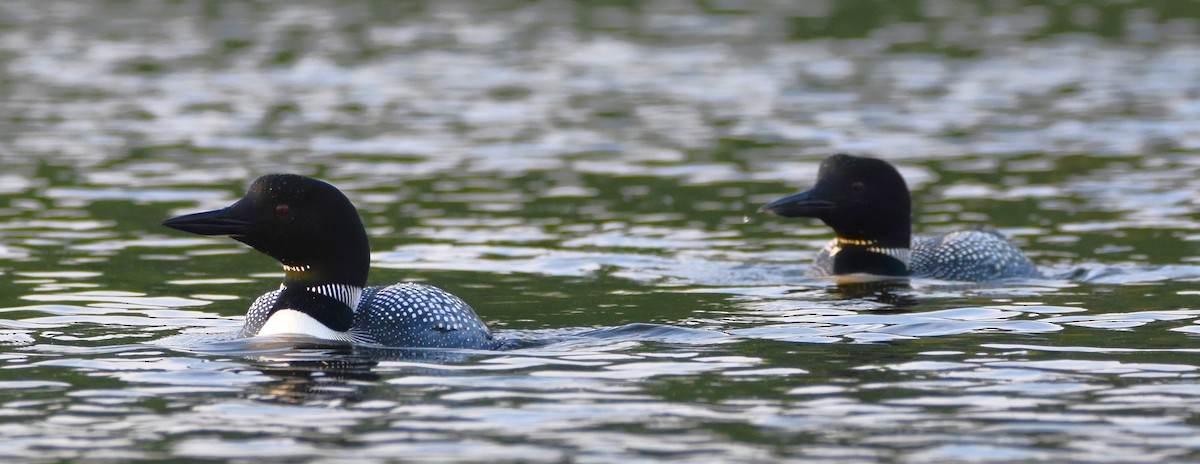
x: 868, y: 205
x: 416, y: 315
x: 975, y: 255
x: 314, y: 231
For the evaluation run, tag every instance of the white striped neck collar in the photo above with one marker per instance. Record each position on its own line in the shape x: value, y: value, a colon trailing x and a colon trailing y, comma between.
x: 301, y: 268
x: 902, y: 254
x: 349, y: 295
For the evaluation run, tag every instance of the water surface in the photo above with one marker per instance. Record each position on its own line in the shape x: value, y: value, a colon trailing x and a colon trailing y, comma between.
x: 585, y: 174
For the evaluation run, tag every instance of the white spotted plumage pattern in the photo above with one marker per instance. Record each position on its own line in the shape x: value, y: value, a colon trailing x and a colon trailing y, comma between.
x: 400, y: 315
x: 259, y: 312
x: 969, y: 255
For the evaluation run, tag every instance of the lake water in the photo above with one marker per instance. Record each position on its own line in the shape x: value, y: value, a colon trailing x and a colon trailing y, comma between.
x: 586, y: 174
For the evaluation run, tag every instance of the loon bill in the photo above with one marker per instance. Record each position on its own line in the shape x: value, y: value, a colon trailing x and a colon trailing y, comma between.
x: 314, y: 231
x: 867, y: 203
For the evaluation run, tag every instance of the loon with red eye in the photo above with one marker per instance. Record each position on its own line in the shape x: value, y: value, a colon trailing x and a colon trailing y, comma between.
x: 326, y: 257
x: 867, y: 204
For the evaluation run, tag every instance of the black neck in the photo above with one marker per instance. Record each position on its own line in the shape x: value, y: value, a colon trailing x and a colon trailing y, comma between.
x: 346, y: 269
x: 325, y: 309
x: 868, y: 259
x: 340, y: 254
x: 896, y: 235
x: 345, y: 265
x: 883, y: 229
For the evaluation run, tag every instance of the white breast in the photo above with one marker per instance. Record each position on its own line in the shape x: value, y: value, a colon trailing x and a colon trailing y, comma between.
x: 292, y: 322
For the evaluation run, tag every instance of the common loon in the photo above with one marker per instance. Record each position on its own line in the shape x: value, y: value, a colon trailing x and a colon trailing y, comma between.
x: 867, y: 204
x: 314, y: 231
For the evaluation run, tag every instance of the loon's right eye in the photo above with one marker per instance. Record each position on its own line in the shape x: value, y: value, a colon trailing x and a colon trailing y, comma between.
x: 282, y: 209
x: 857, y: 186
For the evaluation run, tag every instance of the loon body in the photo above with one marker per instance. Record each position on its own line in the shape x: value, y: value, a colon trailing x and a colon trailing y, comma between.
x: 867, y: 204
x: 314, y: 231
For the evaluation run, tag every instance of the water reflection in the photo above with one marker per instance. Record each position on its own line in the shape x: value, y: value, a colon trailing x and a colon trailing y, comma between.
x: 335, y: 377
x: 894, y: 293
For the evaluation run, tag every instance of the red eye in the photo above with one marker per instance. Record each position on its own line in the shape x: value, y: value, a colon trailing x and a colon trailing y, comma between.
x: 282, y: 209
x: 857, y: 187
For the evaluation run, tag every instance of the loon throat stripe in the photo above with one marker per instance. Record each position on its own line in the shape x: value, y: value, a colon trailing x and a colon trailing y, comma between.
x: 900, y: 254
x: 855, y: 241
x: 304, y: 268
x: 348, y: 294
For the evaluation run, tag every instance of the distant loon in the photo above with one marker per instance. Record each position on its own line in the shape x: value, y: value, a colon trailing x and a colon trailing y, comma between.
x: 311, y: 228
x: 867, y: 204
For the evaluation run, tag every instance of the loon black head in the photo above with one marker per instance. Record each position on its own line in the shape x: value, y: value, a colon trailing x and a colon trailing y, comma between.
x: 866, y: 202
x: 307, y: 225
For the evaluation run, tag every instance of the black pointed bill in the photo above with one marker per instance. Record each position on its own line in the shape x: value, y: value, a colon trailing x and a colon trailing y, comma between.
x: 802, y: 204
x: 218, y: 222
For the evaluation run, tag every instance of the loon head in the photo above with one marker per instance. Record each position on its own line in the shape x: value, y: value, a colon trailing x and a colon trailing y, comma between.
x: 306, y: 224
x: 864, y: 200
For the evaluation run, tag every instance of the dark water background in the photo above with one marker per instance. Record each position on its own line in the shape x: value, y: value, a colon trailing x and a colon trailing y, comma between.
x: 581, y: 172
